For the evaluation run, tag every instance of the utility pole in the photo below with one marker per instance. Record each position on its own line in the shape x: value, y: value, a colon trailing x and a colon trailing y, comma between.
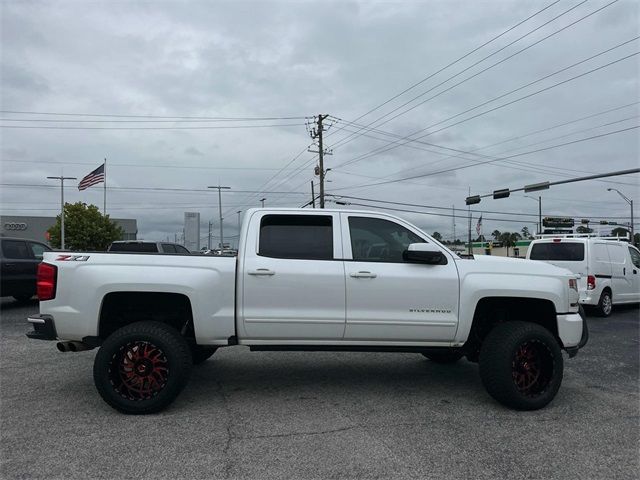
x: 317, y: 133
x: 209, y: 237
x: 470, y: 246
x: 220, y: 212
x: 239, y: 226
x: 262, y: 201
x: 453, y: 210
x: 313, y: 195
x: 62, y: 179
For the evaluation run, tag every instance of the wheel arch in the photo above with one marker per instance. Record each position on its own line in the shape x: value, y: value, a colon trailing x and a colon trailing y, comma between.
x: 122, y: 308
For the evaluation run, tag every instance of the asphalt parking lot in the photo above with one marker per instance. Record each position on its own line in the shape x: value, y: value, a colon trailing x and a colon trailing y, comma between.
x: 320, y: 415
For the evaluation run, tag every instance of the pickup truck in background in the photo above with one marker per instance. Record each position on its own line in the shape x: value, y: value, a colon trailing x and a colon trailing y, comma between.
x: 19, y: 259
x: 311, y: 280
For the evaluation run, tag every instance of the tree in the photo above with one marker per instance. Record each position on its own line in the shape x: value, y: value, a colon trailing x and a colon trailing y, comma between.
x: 509, y: 239
x: 525, y: 232
x: 619, y: 232
x: 85, y: 228
x: 437, y: 236
x: 583, y: 229
x: 496, y: 235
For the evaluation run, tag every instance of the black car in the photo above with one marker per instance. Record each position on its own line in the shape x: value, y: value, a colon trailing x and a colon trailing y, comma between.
x: 19, y: 259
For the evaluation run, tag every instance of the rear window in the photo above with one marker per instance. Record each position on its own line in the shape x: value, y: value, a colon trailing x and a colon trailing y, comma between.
x: 133, y: 247
x: 307, y: 237
x: 560, y: 251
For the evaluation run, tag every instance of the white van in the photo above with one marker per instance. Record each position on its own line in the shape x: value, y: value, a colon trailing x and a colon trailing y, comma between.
x: 609, y: 269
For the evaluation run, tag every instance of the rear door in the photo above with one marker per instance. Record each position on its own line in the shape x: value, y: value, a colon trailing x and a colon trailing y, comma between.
x: 563, y: 253
x: 292, y: 285
x: 388, y: 298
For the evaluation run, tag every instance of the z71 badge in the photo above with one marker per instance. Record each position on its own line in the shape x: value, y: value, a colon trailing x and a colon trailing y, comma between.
x: 72, y: 258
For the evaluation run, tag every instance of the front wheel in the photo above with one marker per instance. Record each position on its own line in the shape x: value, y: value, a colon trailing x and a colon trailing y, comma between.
x: 141, y: 368
x: 521, y: 365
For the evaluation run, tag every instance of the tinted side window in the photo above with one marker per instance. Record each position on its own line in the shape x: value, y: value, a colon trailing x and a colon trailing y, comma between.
x: 38, y: 249
x: 180, y: 249
x: 133, y: 247
x: 307, y: 237
x: 168, y: 248
x: 558, y: 251
x: 635, y: 256
x: 377, y: 240
x: 15, y: 249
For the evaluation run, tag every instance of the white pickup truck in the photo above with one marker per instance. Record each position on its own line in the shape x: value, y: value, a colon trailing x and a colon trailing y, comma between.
x: 310, y: 280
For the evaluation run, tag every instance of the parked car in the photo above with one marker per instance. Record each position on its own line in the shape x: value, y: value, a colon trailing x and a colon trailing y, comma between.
x: 311, y: 280
x: 142, y: 246
x: 609, y: 268
x: 19, y: 261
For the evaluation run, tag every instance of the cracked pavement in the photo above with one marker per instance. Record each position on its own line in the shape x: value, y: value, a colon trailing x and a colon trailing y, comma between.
x: 320, y: 415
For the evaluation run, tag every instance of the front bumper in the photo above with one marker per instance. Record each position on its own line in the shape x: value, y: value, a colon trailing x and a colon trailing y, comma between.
x: 573, y: 331
x: 43, y: 327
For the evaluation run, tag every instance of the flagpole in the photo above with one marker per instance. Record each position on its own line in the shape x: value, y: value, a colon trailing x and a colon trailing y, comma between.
x: 104, y: 210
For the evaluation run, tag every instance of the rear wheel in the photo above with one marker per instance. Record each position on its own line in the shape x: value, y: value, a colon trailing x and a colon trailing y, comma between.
x: 446, y: 357
x: 521, y: 365
x: 141, y: 368
x: 605, y: 304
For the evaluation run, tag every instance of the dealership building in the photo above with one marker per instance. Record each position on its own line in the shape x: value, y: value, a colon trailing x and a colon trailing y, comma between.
x: 35, y: 228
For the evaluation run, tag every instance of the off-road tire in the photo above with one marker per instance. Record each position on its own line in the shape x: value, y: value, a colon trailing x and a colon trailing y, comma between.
x: 201, y: 353
x: 521, y: 365
x: 141, y: 368
x: 605, y: 304
x: 444, y: 358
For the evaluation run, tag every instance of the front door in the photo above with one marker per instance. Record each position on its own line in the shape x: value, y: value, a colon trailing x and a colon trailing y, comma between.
x: 293, y: 278
x: 634, y: 274
x: 389, y: 299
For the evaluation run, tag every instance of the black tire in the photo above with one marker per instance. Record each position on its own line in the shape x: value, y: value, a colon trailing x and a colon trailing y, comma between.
x: 521, y: 365
x: 605, y: 304
x: 200, y: 353
x: 444, y: 358
x: 23, y: 298
x: 141, y: 368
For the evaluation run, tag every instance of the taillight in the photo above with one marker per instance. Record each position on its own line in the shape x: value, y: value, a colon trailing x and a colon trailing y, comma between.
x: 47, y: 275
x: 591, y: 282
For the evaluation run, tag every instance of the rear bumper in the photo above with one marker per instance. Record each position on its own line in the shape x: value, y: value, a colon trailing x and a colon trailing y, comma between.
x: 44, y: 327
x: 573, y: 331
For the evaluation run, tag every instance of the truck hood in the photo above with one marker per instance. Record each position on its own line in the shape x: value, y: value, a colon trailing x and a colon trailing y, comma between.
x: 492, y: 264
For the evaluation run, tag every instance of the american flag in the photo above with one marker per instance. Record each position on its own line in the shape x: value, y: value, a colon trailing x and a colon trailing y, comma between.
x: 93, y: 178
x: 479, y: 225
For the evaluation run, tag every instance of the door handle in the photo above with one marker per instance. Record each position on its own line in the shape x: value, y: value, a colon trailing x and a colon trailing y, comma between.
x: 362, y: 275
x: 9, y: 264
x: 635, y: 271
x: 261, y: 272
x: 624, y: 271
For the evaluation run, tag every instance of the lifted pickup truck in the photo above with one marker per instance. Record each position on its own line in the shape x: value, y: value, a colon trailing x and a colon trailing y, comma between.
x: 311, y: 280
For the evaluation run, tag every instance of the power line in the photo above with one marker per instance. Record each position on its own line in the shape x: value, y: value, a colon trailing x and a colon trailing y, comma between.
x: 452, y: 63
x: 485, y: 69
x: 397, y: 143
x: 47, y: 127
x: 495, y: 160
x: 220, y: 119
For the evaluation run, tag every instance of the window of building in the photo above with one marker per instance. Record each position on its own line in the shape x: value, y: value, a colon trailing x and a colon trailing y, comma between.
x: 378, y: 240
x: 308, y: 237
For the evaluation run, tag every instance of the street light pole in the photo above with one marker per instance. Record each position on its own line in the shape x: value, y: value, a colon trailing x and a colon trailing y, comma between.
x: 262, y: 201
x: 630, y: 202
x: 62, y: 179
x: 220, y: 212
x: 239, y: 226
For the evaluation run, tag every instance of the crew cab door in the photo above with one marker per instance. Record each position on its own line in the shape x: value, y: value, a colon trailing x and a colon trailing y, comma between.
x: 292, y: 278
x: 388, y: 298
x: 634, y: 273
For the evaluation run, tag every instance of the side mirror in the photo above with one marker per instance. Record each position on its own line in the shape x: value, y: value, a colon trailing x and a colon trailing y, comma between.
x: 424, y: 253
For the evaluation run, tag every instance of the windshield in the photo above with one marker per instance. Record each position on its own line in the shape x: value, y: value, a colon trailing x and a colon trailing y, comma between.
x: 560, y: 251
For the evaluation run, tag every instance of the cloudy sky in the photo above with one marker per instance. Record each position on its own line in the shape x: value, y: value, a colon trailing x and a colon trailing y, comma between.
x: 457, y: 95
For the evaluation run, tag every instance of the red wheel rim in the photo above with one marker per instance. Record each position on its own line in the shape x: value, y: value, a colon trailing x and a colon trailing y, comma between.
x: 532, y: 368
x: 139, y: 370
